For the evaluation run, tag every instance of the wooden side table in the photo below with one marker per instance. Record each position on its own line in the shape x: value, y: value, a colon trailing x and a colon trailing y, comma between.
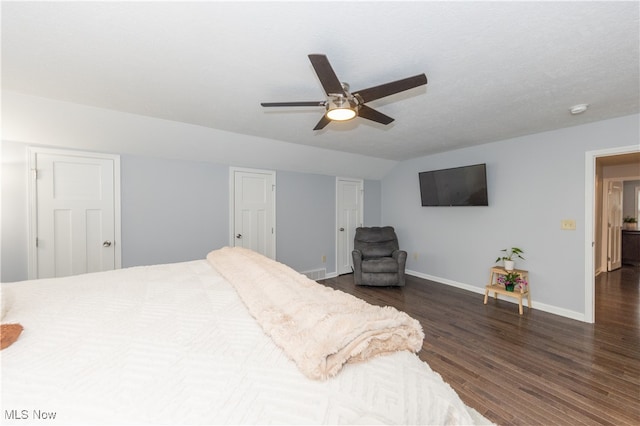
x: 499, y: 289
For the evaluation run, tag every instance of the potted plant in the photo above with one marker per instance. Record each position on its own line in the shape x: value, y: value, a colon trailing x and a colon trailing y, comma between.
x: 511, y: 280
x: 630, y: 222
x: 509, y: 257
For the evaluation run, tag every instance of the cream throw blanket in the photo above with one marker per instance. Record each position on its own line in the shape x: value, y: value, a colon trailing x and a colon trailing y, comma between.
x: 319, y: 328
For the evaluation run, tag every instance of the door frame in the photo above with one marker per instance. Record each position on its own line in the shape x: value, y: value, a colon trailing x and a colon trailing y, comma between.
x: 32, y: 252
x: 590, y: 225
x: 360, y: 218
x: 232, y: 203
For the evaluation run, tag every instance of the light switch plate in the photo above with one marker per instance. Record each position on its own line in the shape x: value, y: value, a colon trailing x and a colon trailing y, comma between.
x: 568, y: 225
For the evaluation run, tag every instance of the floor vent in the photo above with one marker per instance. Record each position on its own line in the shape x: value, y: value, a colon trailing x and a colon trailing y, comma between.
x: 316, y: 274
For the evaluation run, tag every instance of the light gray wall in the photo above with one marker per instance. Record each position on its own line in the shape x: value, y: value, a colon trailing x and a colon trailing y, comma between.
x: 372, y: 203
x: 178, y: 210
x: 172, y: 210
x: 534, y: 182
x: 305, y: 220
x: 15, y: 226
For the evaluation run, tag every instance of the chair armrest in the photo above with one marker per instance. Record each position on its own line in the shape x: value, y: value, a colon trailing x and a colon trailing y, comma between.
x: 401, y: 257
x: 357, y: 266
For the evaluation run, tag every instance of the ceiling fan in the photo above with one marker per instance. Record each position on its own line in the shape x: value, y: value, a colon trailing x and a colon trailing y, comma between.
x: 343, y: 105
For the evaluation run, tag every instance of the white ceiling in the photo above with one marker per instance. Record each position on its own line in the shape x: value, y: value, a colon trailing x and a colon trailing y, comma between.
x: 496, y: 70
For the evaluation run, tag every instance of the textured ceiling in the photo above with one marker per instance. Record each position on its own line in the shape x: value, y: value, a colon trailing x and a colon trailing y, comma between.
x: 496, y: 70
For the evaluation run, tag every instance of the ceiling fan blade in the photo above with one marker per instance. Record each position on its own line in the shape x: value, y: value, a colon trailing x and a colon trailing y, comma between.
x: 327, y: 76
x: 322, y: 123
x: 294, y: 104
x: 373, y: 115
x: 377, y: 92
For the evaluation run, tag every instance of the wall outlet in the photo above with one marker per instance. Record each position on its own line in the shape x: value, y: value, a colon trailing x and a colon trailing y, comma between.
x: 415, y: 255
x: 324, y: 259
x: 568, y: 225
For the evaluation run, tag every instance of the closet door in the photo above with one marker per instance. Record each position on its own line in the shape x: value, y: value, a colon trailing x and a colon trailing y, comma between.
x: 76, y: 213
x: 350, y: 195
x: 253, y: 210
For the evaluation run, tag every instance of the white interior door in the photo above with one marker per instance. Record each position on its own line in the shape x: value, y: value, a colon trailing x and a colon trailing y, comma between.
x: 75, y: 207
x: 349, y: 194
x: 253, y: 215
x: 614, y: 225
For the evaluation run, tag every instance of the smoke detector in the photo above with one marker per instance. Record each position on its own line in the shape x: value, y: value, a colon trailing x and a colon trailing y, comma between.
x: 578, y: 109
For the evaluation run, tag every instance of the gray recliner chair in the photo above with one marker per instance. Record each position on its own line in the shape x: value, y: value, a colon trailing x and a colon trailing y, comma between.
x: 377, y: 258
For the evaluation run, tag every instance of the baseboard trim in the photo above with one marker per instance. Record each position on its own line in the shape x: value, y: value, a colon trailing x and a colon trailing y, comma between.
x: 556, y: 310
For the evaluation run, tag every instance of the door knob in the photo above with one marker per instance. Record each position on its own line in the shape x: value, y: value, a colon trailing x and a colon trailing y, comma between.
x: 341, y: 229
x: 106, y: 244
x: 239, y: 236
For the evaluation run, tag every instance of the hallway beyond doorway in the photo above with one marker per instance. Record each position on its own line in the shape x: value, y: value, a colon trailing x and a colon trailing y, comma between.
x: 617, y: 297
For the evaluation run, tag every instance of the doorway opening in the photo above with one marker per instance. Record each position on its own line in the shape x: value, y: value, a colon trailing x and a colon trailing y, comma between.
x: 620, y: 163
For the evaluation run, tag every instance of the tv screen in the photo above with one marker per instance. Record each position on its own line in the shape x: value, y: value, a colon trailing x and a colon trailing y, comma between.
x: 459, y: 186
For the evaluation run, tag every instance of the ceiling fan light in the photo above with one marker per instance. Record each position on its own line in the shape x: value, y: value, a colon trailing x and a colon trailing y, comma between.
x: 340, y: 108
x: 341, y: 114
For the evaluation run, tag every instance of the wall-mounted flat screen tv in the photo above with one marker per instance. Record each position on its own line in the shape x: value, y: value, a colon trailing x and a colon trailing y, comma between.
x: 459, y: 186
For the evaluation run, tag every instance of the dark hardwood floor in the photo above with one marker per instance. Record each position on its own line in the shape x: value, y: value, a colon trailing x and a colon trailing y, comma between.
x: 534, y: 369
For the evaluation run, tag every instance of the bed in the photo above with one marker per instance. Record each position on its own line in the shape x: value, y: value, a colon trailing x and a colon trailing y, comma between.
x: 178, y: 344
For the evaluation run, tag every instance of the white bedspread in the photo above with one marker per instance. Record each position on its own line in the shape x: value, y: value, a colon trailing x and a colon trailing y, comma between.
x: 173, y: 344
